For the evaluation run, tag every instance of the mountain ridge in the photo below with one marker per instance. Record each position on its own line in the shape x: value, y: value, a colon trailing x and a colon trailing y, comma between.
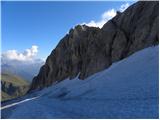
x: 87, y: 50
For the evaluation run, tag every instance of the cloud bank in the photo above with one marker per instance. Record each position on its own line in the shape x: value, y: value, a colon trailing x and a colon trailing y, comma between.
x: 27, y: 55
x: 107, y: 15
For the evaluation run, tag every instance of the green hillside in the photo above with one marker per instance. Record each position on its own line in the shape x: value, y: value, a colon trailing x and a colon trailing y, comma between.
x: 12, y: 86
x: 5, y: 96
x: 7, y: 77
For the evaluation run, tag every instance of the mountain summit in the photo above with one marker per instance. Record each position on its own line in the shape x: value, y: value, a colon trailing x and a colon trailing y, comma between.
x: 88, y: 50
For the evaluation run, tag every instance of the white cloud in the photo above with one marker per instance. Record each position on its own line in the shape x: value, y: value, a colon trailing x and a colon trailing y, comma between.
x: 27, y: 55
x: 124, y: 7
x: 107, y: 15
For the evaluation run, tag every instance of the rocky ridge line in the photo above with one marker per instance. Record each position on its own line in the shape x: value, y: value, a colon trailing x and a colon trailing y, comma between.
x: 87, y: 50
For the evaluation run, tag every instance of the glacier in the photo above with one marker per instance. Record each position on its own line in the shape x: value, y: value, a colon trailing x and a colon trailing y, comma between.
x: 127, y: 89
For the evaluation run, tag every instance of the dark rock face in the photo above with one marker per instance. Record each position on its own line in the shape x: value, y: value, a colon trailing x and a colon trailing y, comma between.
x: 87, y: 50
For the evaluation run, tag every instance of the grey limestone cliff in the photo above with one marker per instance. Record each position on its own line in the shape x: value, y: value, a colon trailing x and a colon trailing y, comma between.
x: 87, y: 50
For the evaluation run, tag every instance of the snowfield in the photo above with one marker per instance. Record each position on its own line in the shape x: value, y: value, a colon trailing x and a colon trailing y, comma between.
x: 127, y: 89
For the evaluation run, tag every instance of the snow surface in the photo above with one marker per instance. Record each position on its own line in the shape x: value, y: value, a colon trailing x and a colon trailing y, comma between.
x: 127, y: 89
x: 16, y: 103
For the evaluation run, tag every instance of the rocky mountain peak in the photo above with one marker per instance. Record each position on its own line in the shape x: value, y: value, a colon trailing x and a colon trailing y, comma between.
x: 87, y: 50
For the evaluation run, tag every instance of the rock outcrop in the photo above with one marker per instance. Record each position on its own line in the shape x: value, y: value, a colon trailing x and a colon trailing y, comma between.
x: 87, y: 50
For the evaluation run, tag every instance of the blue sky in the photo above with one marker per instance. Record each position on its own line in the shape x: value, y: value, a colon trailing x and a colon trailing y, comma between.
x: 44, y: 23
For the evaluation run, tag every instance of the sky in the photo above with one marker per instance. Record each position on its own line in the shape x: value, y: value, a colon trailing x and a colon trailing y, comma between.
x: 33, y: 29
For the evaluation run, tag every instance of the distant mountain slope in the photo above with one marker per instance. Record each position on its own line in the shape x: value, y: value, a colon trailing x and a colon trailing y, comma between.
x: 12, y: 86
x: 88, y: 50
x: 26, y: 70
x: 128, y: 89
